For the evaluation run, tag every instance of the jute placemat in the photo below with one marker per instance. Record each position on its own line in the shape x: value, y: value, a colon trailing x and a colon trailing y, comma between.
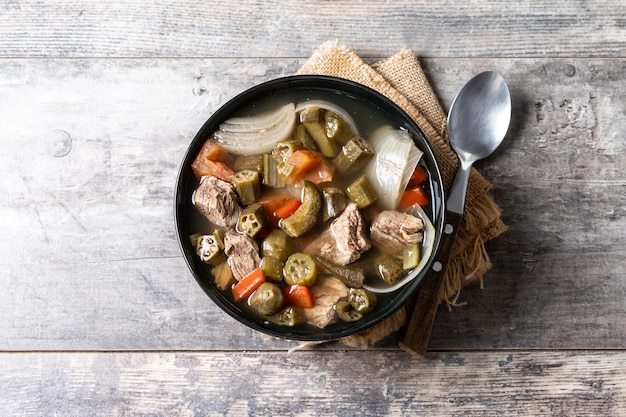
x: 401, y: 78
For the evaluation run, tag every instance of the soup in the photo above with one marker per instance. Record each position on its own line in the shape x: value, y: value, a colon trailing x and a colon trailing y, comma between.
x: 309, y: 212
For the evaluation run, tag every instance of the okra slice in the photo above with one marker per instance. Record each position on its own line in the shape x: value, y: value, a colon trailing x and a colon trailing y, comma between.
x: 270, y: 172
x: 327, y: 147
x: 252, y: 219
x: 307, y: 215
x: 247, y: 185
x: 334, y: 202
x: 283, y: 150
x: 277, y: 245
x: 361, y: 193
x: 284, y: 168
x: 312, y: 118
x: 266, y: 300
x: 345, y: 312
x: 410, y: 256
x: 311, y: 114
x: 354, y: 155
x: 301, y: 135
x: 209, y: 251
x: 272, y: 268
x: 388, y: 268
x: 336, y: 128
x: 288, y: 316
x: 300, y: 269
x: 362, y: 300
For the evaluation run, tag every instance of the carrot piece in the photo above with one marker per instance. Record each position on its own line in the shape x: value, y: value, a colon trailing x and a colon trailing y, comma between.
x: 287, y: 209
x: 245, y: 287
x: 412, y: 196
x: 216, y: 169
x: 298, y: 295
x: 419, y: 176
x: 278, y: 206
x: 213, y: 151
x: 322, y: 173
x: 303, y: 161
x: 211, y: 160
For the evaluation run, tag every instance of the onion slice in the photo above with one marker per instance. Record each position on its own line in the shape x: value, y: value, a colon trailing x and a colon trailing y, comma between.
x: 396, y: 157
x: 428, y: 243
x: 256, y: 134
x: 326, y: 105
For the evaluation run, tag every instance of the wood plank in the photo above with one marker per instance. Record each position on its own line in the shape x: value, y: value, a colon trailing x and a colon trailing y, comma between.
x: 559, y: 179
x: 292, y: 29
x: 314, y: 384
x: 89, y: 259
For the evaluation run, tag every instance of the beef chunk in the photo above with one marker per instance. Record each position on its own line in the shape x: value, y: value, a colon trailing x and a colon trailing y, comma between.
x: 392, y: 231
x: 242, y: 252
x: 326, y: 292
x: 345, y: 239
x: 217, y: 200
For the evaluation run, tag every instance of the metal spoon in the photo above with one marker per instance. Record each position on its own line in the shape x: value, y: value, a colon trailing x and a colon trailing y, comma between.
x: 477, y: 123
x: 478, y: 120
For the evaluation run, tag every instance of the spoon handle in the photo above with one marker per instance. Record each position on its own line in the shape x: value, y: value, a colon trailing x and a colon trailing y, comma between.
x: 417, y: 330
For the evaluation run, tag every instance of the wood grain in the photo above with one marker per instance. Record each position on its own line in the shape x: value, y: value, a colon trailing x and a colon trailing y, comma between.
x: 252, y: 28
x: 89, y: 258
x: 314, y: 384
x: 100, y: 316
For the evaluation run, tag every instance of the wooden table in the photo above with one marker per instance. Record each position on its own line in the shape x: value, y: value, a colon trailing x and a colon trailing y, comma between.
x: 99, y: 313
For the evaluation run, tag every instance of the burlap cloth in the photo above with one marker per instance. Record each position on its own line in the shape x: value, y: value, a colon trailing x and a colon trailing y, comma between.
x: 401, y: 78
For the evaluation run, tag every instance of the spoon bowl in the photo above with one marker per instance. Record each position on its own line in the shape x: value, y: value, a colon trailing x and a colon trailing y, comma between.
x: 477, y: 123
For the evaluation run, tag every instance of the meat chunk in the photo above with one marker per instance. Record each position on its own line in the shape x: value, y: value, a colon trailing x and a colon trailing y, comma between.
x: 392, y: 231
x: 242, y: 252
x: 217, y: 200
x: 325, y: 292
x: 345, y: 240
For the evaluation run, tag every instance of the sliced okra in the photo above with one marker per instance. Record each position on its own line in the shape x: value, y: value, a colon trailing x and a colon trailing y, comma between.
x: 345, y: 312
x: 272, y: 268
x: 283, y: 150
x: 411, y: 256
x: 354, y: 155
x: 277, y: 245
x: 362, y: 300
x: 388, y: 268
x: 307, y: 215
x: 209, y: 251
x: 247, y: 185
x: 334, y: 202
x: 361, y: 193
x: 336, y: 128
x: 252, y: 219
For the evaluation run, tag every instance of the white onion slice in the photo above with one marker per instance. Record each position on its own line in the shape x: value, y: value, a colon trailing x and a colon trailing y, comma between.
x: 326, y: 105
x: 256, y: 134
x: 428, y: 243
x: 396, y: 157
x: 257, y: 122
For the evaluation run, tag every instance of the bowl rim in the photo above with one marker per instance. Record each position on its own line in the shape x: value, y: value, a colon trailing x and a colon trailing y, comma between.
x: 314, y: 82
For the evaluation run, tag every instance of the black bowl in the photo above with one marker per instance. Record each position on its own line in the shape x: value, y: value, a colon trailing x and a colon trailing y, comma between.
x: 349, y: 95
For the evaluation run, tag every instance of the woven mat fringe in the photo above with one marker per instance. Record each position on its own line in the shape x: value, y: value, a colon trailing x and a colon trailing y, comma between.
x: 401, y: 78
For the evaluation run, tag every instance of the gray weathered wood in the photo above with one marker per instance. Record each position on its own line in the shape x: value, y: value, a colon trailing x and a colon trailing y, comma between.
x: 314, y: 384
x: 89, y: 258
x: 98, y: 102
x: 291, y: 28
